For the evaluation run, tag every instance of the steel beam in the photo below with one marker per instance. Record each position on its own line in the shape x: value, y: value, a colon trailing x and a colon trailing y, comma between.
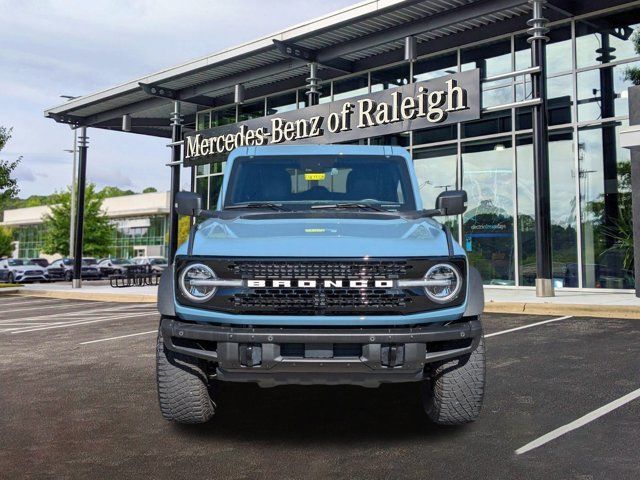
x: 79, y: 230
x: 176, y: 150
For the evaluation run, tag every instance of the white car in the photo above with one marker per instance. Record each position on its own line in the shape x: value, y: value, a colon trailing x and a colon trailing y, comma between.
x: 14, y: 270
x: 158, y: 264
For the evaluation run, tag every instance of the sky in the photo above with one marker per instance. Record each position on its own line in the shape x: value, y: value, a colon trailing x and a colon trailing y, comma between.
x: 69, y: 47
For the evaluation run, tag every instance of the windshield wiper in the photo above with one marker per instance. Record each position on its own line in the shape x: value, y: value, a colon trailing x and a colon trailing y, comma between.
x: 271, y: 205
x: 360, y: 206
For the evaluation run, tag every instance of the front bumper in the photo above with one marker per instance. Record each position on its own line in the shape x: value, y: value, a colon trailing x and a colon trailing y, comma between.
x: 31, y: 278
x: 368, y: 356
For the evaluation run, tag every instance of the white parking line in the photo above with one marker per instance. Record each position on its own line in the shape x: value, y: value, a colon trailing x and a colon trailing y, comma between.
x: 73, y: 324
x: 525, y: 326
x: 76, y: 313
x: 580, y: 422
x: 40, y: 307
x: 119, y: 337
x: 30, y: 301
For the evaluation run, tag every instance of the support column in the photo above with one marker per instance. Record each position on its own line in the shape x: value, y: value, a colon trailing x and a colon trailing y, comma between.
x: 176, y: 164
x: 313, y: 94
x: 538, y: 40
x: 79, y: 220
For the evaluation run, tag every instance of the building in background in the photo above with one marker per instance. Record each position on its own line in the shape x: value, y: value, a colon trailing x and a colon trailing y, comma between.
x: 140, y: 221
x: 363, y: 49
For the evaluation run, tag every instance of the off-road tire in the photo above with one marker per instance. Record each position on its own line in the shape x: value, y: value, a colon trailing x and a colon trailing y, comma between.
x: 454, y: 392
x: 183, y: 391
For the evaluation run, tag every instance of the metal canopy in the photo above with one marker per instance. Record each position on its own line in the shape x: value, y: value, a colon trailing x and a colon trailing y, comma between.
x: 356, y: 38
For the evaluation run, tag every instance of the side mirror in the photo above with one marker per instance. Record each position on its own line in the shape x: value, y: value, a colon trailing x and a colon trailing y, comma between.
x: 452, y: 202
x: 188, y: 203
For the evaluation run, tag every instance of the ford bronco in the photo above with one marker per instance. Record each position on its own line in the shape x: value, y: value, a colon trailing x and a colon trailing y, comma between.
x: 320, y: 265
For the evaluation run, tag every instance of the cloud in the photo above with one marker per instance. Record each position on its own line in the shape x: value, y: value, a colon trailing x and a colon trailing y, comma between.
x: 73, y: 47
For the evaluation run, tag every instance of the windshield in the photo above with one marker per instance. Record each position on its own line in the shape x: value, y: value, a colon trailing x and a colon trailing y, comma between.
x: 305, y: 182
x: 157, y: 261
x: 89, y: 261
x: 16, y: 262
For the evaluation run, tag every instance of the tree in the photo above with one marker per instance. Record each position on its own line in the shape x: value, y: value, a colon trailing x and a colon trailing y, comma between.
x: 8, y: 185
x: 98, y: 231
x: 109, y: 192
x: 633, y: 73
x: 149, y: 190
x: 6, y: 239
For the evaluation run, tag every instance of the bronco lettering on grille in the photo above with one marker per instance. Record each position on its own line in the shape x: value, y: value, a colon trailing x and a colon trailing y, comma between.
x: 318, y: 284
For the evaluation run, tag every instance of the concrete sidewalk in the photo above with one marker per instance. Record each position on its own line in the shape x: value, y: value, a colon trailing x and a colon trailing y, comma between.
x: 498, y: 300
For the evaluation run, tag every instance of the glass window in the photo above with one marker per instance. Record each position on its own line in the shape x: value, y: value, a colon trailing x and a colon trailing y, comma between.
x: 493, y: 96
x: 398, y: 139
x: 558, y: 51
x: 436, y: 169
x: 560, y: 99
x: 202, y: 187
x: 606, y: 39
x: 526, y: 212
x: 522, y: 52
x: 202, y: 170
x: 492, y: 59
x: 203, y: 120
x: 487, y: 168
x: 434, y: 67
x: 435, y: 134
x: 282, y: 103
x: 351, y: 87
x: 605, y: 207
x: 490, y: 123
x: 390, y: 77
x: 250, y: 110
x: 215, y: 184
x: 602, y: 92
x: 223, y: 117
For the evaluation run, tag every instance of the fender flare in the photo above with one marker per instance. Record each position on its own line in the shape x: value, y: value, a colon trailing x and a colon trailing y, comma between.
x: 166, y: 305
x: 475, y: 297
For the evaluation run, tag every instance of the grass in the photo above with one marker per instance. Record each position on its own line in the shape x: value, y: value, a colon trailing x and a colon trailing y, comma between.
x: 9, y: 285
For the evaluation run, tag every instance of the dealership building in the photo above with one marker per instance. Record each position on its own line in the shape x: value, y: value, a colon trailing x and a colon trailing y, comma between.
x: 533, y: 96
x: 140, y: 223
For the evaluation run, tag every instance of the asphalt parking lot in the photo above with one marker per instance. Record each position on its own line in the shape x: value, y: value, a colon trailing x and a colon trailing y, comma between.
x: 78, y: 400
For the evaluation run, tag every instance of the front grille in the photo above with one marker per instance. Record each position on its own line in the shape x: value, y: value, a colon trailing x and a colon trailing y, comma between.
x: 334, y: 300
x: 320, y: 300
x: 322, y: 269
x: 32, y: 272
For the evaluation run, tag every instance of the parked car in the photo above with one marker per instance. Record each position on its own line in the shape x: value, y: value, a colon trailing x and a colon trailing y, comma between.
x: 62, y: 269
x: 21, y: 270
x: 111, y: 266
x: 43, y: 262
x: 158, y: 264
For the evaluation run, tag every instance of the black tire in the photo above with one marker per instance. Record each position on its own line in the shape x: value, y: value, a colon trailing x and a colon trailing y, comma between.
x: 183, y: 391
x: 454, y: 392
x: 68, y: 275
x: 10, y: 278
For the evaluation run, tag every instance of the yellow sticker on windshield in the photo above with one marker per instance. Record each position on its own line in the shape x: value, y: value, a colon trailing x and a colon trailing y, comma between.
x: 314, y: 176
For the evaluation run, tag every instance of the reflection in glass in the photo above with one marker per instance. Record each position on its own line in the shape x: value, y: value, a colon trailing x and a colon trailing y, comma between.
x: 607, y: 39
x: 215, y: 184
x: 526, y: 212
x: 389, y: 77
x: 223, y: 117
x: 350, y: 87
x: 492, y: 59
x: 436, y: 169
x: 282, y: 103
x: 203, y: 120
x: 250, y: 110
x: 490, y: 123
x: 434, y: 67
x: 488, y: 222
x: 605, y: 206
x: 560, y: 99
x: 559, y: 51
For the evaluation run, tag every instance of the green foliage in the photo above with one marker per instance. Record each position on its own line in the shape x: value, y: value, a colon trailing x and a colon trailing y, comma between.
x: 149, y: 190
x: 109, y: 192
x: 6, y: 237
x: 98, y: 231
x: 633, y: 73
x: 8, y: 185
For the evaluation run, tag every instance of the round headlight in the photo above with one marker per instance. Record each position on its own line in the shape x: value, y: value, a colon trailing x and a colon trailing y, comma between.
x: 443, y: 283
x: 193, y: 282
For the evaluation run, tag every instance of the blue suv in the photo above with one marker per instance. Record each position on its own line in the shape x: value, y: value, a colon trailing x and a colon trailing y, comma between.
x: 320, y: 265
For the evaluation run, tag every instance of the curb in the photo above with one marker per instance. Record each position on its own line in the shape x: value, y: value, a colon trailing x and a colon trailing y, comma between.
x: 6, y: 290
x: 99, y: 297
x: 575, y: 310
